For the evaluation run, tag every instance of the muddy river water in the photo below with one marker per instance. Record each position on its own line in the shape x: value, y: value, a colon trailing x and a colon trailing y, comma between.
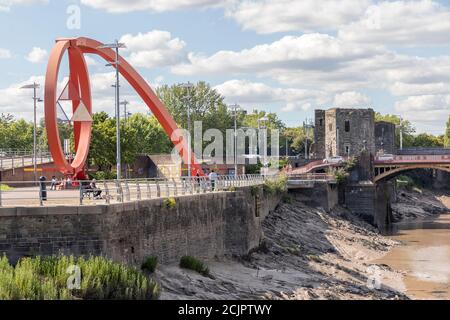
x: 423, y: 258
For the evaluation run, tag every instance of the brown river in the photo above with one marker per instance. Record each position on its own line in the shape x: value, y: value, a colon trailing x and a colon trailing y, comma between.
x: 423, y: 258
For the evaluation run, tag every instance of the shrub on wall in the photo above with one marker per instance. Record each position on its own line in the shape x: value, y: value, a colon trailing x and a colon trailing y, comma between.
x: 275, y: 185
x: 170, y: 203
x: 340, y: 175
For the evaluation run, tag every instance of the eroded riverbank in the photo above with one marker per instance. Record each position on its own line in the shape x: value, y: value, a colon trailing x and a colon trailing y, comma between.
x: 308, y: 254
x: 311, y: 254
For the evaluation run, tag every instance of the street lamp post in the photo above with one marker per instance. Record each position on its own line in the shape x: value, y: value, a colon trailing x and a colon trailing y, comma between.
x: 307, y: 125
x: 124, y: 104
x: 401, y: 133
x: 34, y: 86
x: 262, y: 125
x: 235, y: 108
x: 188, y: 86
x: 116, y: 45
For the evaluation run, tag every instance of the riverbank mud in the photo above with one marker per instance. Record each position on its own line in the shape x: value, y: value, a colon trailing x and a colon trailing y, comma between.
x: 307, y: 254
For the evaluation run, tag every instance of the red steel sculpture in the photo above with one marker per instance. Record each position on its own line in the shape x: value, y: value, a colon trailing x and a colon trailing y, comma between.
x: 78, y: 90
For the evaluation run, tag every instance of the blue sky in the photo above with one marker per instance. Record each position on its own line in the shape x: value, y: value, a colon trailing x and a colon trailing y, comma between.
x: 284, y: 56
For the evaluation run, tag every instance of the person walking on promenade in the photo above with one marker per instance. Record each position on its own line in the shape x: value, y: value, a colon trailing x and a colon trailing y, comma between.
x: 213, y: 178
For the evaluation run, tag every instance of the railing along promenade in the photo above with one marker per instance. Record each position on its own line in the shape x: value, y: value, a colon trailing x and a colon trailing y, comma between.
x: 115, y: 191
x: 18, y: 158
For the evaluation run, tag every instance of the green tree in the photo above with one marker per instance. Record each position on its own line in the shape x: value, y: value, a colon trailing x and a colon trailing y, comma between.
x: 149, y: 136
x: 447, y: 134
x: 426, y: 140
x: 103, y: 143
x: 297, y: 137
x: 206, y: 105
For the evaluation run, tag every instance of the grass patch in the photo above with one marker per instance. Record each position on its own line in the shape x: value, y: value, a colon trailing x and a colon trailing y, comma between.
x: 170, y: 203
x: 47, y: 278
x: 150, y: 264
x: 314, y: 258
x: 5, y: 187
x: 191, y: 263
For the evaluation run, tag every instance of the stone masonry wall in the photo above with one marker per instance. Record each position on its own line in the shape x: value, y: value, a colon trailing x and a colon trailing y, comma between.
x: 204, y: 226
x: 385, y: 137
x: 319, y: 134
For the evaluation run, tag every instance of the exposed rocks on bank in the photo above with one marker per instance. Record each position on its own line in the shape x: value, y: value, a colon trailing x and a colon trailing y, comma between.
x: 307, y: 254
x: 420, y: 204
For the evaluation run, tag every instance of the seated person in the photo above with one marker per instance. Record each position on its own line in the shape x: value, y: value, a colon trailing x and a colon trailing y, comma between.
x: 61, y: 185
x: 96, y: 191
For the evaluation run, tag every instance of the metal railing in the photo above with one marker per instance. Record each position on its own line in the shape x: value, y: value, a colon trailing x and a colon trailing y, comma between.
x: 115, y: 191
x: 12, y: 159
x: 398, y: 159
x: 311, y: 177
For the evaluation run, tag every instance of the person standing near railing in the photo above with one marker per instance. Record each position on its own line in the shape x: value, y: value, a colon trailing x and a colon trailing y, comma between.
x: 42, y: 188
x: 53, y: 184
x: 213, y: 178
x: 197, y: 179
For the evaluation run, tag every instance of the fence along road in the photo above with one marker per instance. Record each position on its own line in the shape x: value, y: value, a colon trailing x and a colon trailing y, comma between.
x: 114, y: 191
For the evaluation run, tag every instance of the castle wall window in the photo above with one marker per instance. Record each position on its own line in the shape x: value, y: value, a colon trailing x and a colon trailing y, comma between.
x: 347, y: 126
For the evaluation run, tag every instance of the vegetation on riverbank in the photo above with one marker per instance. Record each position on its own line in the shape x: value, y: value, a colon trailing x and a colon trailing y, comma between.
x: 49, y: 278
x: 192, y: 263
x: 4, y: 187
x: 275, y: 185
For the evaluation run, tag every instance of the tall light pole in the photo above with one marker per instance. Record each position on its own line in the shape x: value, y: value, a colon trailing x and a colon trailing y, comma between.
x: 188, y: 86
x: 401, y: 133
x: 34, y: 86
x: 124, y: 104
x: 235, y: 108
x: 307, y: 124
x: 262, y: 125
x: 116, y: 45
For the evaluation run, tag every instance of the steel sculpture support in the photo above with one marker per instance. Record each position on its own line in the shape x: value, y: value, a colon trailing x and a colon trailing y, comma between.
x: 80, y: 94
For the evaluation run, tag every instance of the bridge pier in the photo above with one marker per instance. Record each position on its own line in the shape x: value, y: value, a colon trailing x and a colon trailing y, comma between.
x: 371, y: 201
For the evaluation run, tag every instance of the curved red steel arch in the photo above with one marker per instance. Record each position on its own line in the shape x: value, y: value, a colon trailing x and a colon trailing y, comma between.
x: 79, y: 82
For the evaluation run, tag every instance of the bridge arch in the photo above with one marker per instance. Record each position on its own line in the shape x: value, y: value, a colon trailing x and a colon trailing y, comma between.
x: 79, y: 86
x: 386, y: 173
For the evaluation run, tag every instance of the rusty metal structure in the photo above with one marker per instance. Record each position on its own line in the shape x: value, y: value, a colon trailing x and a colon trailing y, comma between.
x: 78, y: 90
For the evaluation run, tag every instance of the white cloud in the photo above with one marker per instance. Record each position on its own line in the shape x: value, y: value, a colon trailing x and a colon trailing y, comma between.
x: 268, y: 16
x: 351, y: 99
x: 256, y: 93
x: 90, y: 61
x: 6, y: 5
x: 37, y: 55
x: 424, y: 103
x: 401, y: 23
x: 120, y: 6
x: 5, y: 54
x: 309, y: 51
x: 428, y: 112
x: 154, y: 48
x: 18, y: 101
